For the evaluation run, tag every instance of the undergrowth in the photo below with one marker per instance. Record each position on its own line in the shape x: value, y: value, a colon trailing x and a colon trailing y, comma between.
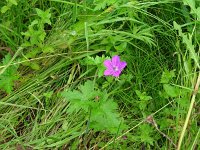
x: 53, y: 90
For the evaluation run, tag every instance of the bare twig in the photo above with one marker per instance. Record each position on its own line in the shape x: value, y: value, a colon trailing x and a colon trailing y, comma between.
x: 7, y: 49
x: 151, y: 121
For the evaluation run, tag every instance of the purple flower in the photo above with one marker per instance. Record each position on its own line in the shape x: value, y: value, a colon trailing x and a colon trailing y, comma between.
x: 114, y: 66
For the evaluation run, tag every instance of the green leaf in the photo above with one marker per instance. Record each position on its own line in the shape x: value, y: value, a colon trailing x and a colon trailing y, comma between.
x: 4, y: 9
x: 144, y: 99
x: 9, y: 76
x: 190, y: 3
x: 177, y: 27
x: 121, y: 48
x: 82, y: 98
x: 97, y: 61
x: 72, y: 95
x: 146, y: 133
x: 103, y: 112
x: 48, y: 49
x: 87, y: 90
x: 143, y: 96
x: 34, y: 66
x: 171, y: 90
x: 48, y: 94
x: 101, y: 69
x: 14, y: 2
x: 183, y: 102
x: 101, y: 4
x: 36, y: 37
x: 105, y: 117
x: 65, y: 125
x: 187, y: 40
x: 45, y: 15
x: 167, y: 76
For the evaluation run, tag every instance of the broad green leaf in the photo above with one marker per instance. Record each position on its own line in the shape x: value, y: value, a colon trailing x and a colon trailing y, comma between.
x: 190, y: 3
x: 183, y: 102
x: 101, y: 69
x: 121, y: 48
x: 48, y: 49
x: 171, y: 90
x: 34, y: 66
x: 14, y: 2
x: 71, y: 95
x: 4, y: 9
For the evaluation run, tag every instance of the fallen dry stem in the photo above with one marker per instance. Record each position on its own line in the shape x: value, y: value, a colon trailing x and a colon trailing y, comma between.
x: 151, y: 121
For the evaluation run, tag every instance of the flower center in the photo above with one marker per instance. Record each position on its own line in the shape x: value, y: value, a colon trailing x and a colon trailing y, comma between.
x: 115, y: 68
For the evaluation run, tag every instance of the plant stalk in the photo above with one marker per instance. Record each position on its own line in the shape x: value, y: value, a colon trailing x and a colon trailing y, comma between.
x: 196, y: 88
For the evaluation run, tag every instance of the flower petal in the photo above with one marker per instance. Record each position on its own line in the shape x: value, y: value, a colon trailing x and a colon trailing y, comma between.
x: 115, y: 60
x: 108, y: 64
x: 108, y: 72
x: 122, y: 65
x: 116, y: 73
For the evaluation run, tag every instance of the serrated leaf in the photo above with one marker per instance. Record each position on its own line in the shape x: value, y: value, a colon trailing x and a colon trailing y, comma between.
x: 9, y: 76
x: 146, y: 132
x: 97, y: 61
x: 167, y: 76
x: 82, y: 98
x: 101, y: 4
x: 143, y: 96
x: 101, y: 69
x: 187, y: 40
x: 88, y: 60
x: 45, y: 15
x: 144, y: 99
x: 103, y: 112
x: 105, y: 117
x: 87, y: 90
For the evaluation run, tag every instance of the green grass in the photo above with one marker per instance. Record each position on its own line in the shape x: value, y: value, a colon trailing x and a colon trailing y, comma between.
x: 35, y: 115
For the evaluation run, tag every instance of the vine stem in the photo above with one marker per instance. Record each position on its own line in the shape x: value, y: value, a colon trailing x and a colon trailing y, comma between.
x: 189, y: 112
